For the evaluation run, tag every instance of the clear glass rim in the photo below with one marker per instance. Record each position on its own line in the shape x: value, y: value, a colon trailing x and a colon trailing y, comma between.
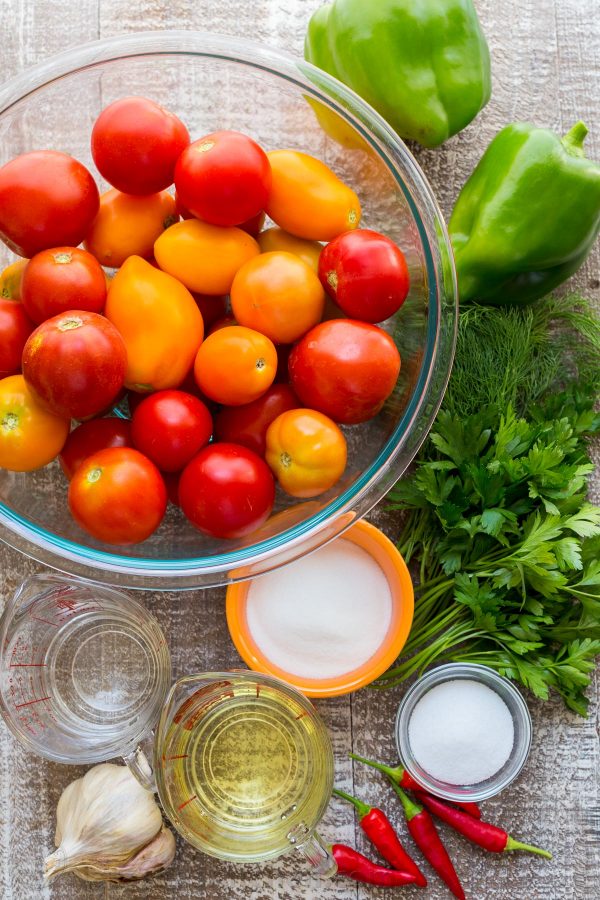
x: 505, y: 688
x: 364, y: 493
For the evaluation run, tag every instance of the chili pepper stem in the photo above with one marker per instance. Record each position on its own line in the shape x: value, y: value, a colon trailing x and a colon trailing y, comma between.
x: 394, y: 774
x: 363, y: 809
x: 511, y: 844
x: 574, y: 138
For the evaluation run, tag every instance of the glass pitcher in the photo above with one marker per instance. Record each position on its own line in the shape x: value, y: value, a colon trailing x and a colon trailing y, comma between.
x: 244, y: 767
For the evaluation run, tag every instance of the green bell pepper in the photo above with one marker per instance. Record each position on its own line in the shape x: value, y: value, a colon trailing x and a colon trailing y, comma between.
x: 527, y: 217
x: 423, y: 64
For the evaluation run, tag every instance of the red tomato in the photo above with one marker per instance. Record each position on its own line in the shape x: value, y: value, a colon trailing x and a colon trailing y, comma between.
x: 15, y: 328
x: 89, y: 437
x: 247, y: 425
x: 136, y: 143
x: 212, y: 308
x: 47, y: 199
x: 223, y: 178
x: 253, y: 226
x: 61, y: 279
x: 170, y: 427
x: 171, y: 480
x: 282, y: 376
x: 75, y: 363
x: 365, y: 273
x: 345, y: 369
x: 118, y: 496
x: 226, y: 491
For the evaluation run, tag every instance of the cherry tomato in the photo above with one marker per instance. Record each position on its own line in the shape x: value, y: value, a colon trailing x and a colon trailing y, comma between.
x: 118, y: 496
x: 136, y: 143
x: 211, y: 307
x: 89, y: 437
x: 308, y: 199
x: 75, y: 363
x: 11, y: 279
x: 204, y: 257
x: 279, y: 295
x: 345, y: 369
x: 278, y: 239
x: 62, y: 279
x: 306, y: 452
x: 235, y: 365
x: 226, y: 491
x: 366, y: 274
x: 223, y: 178
x: 30, y: 435
x: 128, y: 225
x: 47, y: 199
x: 170, y: 427
x: 159, y: 322
x: 247, y: 425
x: 15, y: 328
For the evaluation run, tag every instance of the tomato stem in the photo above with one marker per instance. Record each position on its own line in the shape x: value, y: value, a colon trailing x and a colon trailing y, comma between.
x: 10, y: 421
x: 62, y: 257
x: 286, y: 459
x: 94, y: 474
x: 70, y: 323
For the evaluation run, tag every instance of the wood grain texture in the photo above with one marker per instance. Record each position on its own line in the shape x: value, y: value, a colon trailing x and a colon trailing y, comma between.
x: 546, y: 59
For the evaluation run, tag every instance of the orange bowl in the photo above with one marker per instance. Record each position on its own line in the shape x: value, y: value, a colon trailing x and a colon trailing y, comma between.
x: 385, y: 554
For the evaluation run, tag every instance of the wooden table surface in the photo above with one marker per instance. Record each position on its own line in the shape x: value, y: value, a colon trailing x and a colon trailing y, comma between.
x: 546, y: 66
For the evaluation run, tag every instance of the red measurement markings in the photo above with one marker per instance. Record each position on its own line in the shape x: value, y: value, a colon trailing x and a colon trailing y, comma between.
x: 27, y: 665
x: 181, y: 756
x: 185, y: 803
x: 45, y: 621
x: 29, y: 702
x: 258, y: 690
x: 302, y: 714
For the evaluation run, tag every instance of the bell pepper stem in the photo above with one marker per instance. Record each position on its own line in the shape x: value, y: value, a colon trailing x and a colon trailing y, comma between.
x: 411, y: 809
x: 363, y: 809
x: 573, y: 139
x: 393, y: 774
x: 511, y: 844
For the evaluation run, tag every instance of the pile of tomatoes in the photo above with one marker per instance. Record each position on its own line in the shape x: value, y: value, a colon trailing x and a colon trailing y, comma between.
x: 241, y: 348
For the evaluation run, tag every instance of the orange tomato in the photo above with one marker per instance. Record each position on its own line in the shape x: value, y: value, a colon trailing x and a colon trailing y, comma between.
x: 306, y: 452
x: 30, y: 435
x: 279, y: 295
x: 159, y: 321
x: 11, y: 278
x: 127, y: 225
x: 235, y: 365
x: 278, y: 239
x: 204, y: 257
x: 308, y: 199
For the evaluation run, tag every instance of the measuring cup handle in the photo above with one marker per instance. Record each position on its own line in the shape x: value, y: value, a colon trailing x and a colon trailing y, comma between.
x: 314, y: 850
x: 139, y: 764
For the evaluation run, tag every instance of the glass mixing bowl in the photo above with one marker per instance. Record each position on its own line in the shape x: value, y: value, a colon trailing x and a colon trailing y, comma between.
x: 213, y: 82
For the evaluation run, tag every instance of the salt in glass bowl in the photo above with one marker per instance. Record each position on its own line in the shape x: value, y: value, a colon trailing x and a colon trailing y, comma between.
x: 521, y: 722
x: 214, y: 82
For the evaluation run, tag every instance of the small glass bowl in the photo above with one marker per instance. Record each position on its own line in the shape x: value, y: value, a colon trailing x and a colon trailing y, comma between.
x: 522, y: 732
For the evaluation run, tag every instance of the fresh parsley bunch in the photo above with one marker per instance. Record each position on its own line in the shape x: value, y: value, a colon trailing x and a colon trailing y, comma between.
x: 497, y: 517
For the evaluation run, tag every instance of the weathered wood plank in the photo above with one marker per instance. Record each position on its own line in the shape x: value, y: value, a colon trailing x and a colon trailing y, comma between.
x: 546, y: 56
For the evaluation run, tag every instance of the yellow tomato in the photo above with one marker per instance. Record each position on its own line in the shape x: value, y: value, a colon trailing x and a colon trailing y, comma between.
x: 30, y: 435
x: 278, y: 239
x: 235, y: 365
x: 204, y: 257
x: 306, y: 452
x: 128, y: 225
x: 159, y: 321
x: 279, y: 295
x: 11, y: 278
x: 308, y: 199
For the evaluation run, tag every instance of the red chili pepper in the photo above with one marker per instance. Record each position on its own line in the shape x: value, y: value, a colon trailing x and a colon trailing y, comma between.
x: 404, y: 780
x: 490, y: 837
x: 380, y: 832
x: 354, y: 865
x: 424, y: 832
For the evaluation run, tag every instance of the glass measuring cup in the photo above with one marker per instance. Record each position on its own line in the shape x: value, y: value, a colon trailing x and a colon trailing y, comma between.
x: 84, y: 671
x: 244, y: 767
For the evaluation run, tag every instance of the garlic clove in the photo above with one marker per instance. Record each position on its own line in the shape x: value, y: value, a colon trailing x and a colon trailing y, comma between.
x: 102, y: 819
x: 155, y: 857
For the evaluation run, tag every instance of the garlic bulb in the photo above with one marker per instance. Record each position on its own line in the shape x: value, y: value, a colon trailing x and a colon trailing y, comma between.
x: 102, y: 820
x: 150, y: 860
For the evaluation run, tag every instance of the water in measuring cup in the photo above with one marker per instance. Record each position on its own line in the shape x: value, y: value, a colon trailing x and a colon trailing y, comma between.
x: 84, y: 676
x: 244, y: 770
